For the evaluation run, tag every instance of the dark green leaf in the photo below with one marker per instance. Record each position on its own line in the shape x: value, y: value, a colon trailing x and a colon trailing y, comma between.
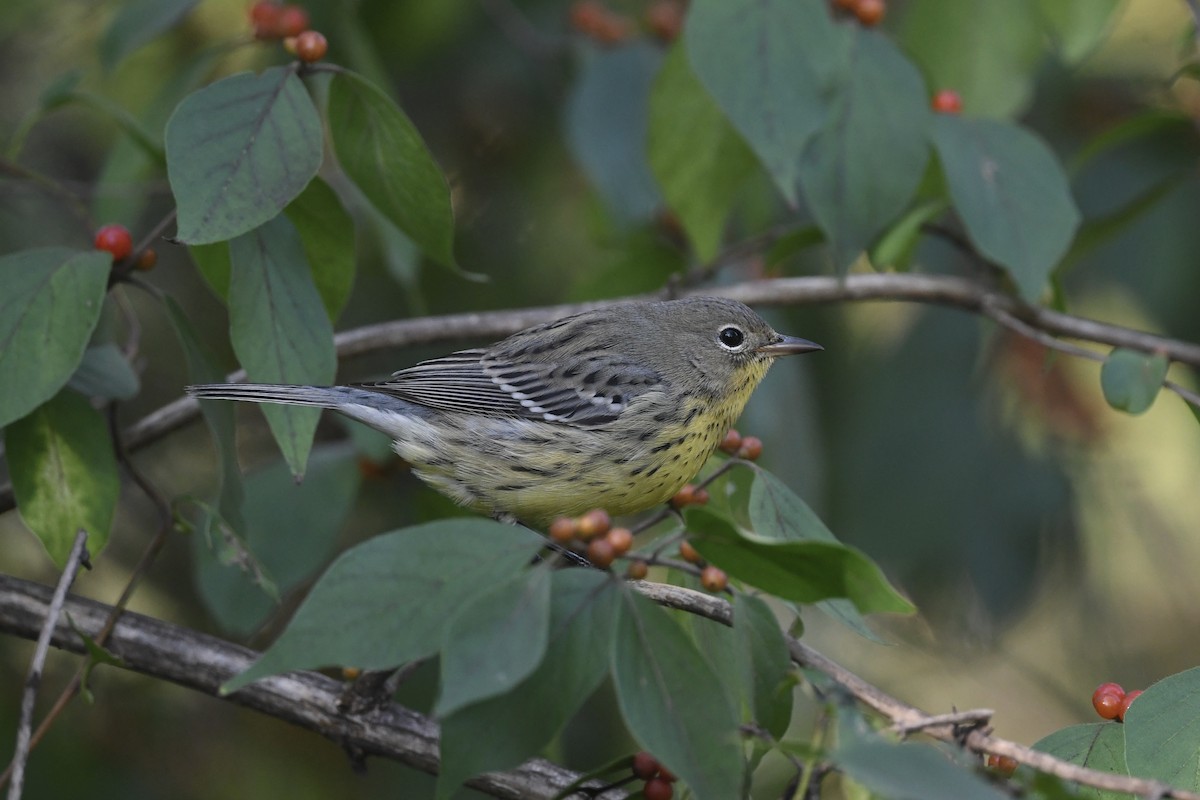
x: 1162, y: 731
x: 240, y: 150
x: 64, y: 474
x: 136, y: 24
x: 1077, y: 26
x: 776, y: 512
x: 278, y: 327
x: 697, y: 157
x: 803, y: 571
x: 50, y: 300
x: 202, y: 368
x: 327, y: 233
x: 986, y: 51
x: 1011, y: 194
x: 386, y: 601
x: 764, y: 663
x: 1155, y: 126
x: 583, y: 605
x: 911, y: 771
x: 861, y: 169
x: 1099, y: 230
x: 1131, y: 379
x: 383, y: 153
x: 1099, y: 746
x: 495, y: 641
x: 776, y: 90
x: 289, y: 531
x: 607, y: 126
x: 212, y: 261
x: 896, y: 248
x: 673, y: 703
x: 105, y: 372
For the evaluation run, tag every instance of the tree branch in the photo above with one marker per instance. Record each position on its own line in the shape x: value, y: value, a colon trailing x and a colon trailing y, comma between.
x: 308, y: 699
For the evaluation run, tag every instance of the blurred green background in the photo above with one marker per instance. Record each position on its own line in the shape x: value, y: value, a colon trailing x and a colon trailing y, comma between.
x: 1050, y: 542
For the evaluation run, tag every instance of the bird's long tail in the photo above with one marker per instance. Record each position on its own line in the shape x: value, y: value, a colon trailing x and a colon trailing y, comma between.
x: 321, y: 396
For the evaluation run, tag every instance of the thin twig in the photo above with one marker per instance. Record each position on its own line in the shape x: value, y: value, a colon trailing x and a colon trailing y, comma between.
x: 978, y: 716
x: 76, y: 558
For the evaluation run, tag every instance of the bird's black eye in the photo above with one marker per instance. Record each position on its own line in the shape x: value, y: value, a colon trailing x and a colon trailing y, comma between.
x: 731, y: 336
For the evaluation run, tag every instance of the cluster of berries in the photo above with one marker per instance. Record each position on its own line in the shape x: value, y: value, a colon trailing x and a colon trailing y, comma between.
x: 594, y: 535
x: 595, y: 20
x: 117, y: 240
x: 1112, y: 702
x: 658, y: 778
x: 274, y: 20
x: 712, y: 578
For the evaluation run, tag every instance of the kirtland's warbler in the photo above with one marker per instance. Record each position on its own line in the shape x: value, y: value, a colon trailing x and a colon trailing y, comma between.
x: 615, y: 408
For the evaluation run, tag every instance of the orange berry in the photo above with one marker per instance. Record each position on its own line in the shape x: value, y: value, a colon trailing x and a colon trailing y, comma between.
x: 751, y: 448
x: 731, y: 442
x: 593, y: 19
x: 658, y: 789
x: 146, y: 260
x: 665, y: 19
x: 1005, y: 765
x: 594, y: 523
x: 637, y: 571
x: 311, y: 46
x: 689, y: 553
x: 1126, y: 702
x: 563, y: 529
x: 114, y: 239
x: 293, y: 21
x: 947, y: 101
x: 264, y: 16
x: 350, y: 673
x: 714, y: 579
x: 700, y: 498
x: 1107, y: 700
x: 600, y: 553
x: 645, y: 766
x: 684, y: 497
x: 870, y: 12
x: 621, y: 540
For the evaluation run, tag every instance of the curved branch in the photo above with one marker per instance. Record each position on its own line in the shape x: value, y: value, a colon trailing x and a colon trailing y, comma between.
x: 308, y: 699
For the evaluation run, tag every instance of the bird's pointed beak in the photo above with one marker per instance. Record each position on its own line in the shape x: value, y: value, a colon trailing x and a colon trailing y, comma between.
x: 788, y: 346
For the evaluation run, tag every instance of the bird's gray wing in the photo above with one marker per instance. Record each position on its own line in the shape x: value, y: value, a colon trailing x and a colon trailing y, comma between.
x: 586, y: 389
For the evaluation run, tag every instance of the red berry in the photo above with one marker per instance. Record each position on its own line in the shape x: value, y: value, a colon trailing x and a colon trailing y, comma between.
x: 115, y: 239
x: 645, y: 766
x: 750, y: 449
x: 665, y: 19
x: 870, y: 12
x: 311, y: 46
x: 689, y: 553
x: 1109, y: 688
x: 600, y: 553
x: 658, y: 789
x: 684, y: 497
x: 947, y: 101
x: 146, y: 261
x: 264, y: 16
x: 714, y: 579
x: 293, y: 21
x: 1126, y: 702
x: 731, y: 442
x: 1005, y: 765
x: 1107, y: 700
x: 700, y: 497
x: 594, y: 523
x: 562, y: 530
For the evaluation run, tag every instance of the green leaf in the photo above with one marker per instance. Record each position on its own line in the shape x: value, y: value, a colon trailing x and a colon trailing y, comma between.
x: 860, y: 171
x: 1077, y: 26
x: 776, y: 512
x: 911, y: 771
x: 64, y: 474
x: 672, y: 701
x: 105, y: 372
x: 582, y: 615
x: 279, y: 328
x: 986, y: 51
x: 776, y: 91
x: 212, y: 261
x: 802, y: 571
x: 1131, y: 379
x: 1162, y: 731
x: 495, y: 642
x: 136, y: 24
x: 897, y: 247
x: 697, y: 157
x: 240, y: 150
x: 327, y: 233
x: 290, y: 529
x: 764, y: 663
x: 202, y: 367
x: 1098, y: 231
x: 50, y: 300
x: 386, y: 601
x: 1011, y: 194
x: 606, y: 126
x: 382, y: 152
x: 1099, y: 746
